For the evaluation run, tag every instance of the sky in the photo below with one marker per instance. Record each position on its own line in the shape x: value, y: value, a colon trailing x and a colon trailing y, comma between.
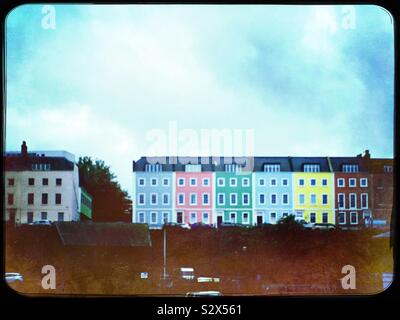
x: 117, y: 82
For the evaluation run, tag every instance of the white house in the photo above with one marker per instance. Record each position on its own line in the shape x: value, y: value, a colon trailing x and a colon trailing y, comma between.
x: 41, y: 185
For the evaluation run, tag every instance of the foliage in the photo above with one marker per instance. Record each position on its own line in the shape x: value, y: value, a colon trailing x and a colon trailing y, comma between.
x: 110, y: 202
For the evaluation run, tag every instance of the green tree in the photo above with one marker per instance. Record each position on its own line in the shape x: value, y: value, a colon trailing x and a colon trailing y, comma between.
x: 110, y: 202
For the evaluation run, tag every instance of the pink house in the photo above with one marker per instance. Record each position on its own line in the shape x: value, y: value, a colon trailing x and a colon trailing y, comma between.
x: 194, y: 197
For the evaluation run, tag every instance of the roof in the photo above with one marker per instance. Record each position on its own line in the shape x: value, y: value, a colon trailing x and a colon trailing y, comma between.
x: 24, y: 163
x: 104, y: 234
x: 337, y: 163
x: 299, y: 162
x: 284, y: 162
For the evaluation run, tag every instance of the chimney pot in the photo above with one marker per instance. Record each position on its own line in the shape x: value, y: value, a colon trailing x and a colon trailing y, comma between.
x: 24, y: 149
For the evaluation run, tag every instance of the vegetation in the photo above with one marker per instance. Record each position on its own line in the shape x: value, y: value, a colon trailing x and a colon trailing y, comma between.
x: 110, y: 202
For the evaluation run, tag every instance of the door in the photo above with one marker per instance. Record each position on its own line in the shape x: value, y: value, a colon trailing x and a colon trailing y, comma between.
x: 179, y: 217
x: 219, y: 220
x: 259, y: 220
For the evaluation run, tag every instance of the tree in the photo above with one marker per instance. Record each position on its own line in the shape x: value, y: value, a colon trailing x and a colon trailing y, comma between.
x: 110, y: 202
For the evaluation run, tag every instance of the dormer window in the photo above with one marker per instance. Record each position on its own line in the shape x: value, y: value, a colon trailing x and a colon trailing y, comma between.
x: 233, y: 168
x: 387, y: 169
x: 193, y: 168
x: 350, y: 167
x: 272, y: 167
x: 311, y: 167
x: 40, y: 167
x: 153, y: 167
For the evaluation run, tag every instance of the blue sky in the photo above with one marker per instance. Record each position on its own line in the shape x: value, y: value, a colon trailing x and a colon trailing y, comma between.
x: 107, y: 81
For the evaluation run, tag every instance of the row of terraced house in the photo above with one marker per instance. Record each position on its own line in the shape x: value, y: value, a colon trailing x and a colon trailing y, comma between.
x: 346, y: 191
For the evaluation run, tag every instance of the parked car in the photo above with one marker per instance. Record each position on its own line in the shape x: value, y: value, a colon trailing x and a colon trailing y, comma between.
x: 42, y: 222
x: 324, y: 226
x: 177, y: 225
x: 13, y: 277
x: 305, y: 224
x: 187, y: 273
x: 233, y: 225
x: 204, y: 294
x: 199, y: 225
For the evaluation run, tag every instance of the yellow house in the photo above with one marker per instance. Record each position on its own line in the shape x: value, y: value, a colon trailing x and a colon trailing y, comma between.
x: 313, y: 192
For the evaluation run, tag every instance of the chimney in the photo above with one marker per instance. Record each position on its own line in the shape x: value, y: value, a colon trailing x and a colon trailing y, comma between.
x: 24, y: 149
x: 367, y: 155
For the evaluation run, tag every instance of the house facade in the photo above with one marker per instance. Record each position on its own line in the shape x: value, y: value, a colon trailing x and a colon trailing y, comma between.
x: 352, y: 192
x: 313, y: 190
x: 272, y: 189
x: 41, y: 186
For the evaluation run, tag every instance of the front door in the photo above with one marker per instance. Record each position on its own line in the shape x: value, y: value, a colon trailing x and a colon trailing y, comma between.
x: 179, y: 217
x: 219, y: 220
x: 259, y: 220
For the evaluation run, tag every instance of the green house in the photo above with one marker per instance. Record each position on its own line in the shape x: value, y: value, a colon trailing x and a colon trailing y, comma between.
x: 86, y: 204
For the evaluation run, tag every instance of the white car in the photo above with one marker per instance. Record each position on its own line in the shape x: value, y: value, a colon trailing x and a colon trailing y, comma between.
x: 42, y: 223
x: 13, y: 277
x: 204, y: 294
x: 305, y: 224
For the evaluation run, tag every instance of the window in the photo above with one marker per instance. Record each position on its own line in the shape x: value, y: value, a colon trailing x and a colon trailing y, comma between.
x: 141, y: 182
x: 141, y: 217
x: 45, y: 182
x: 233, y: 168
x: 340, y: 182
x: 353, y: 217
x: 261, y: 182
x: 205, y: 198
x: 285, y: 182
x: 342, y: 217
x: 246, y: 182
x: 43, y: 215
x: 193, y: 168
x: 206, y: 217
x: 165, y: 217
x: 165, y: 198
x: 324, y: 199
x: 352, y: 182
x: 313, y: 182
x: 153, y: 167
x: 11, y: 182
x: 193, y: 217
x: 272, y: 217
x: 324, y: 182
x: 284, y: 214
x: 313, y: 199
x: 153, y: 198
x: 233, y: 197
x: 301, y: 182
x: 363, y: 182
x: 30, y: 198
x: 364, y: 200
x: 301, y: 199
x: 312, y: 217
x: 30, y: 217
x: 31, y: 181
x: 221, y: 182
x: 350, y: 167
x: 60, y: 216
x: 299, y: 214
x: 245, y: 217
x: 10, y: 199
x: 272, y: 167
x: 181, y: 198
x: 221, y: 198
x: 272, y: 182
x: 153, y: 217
x: 165, y: 182
x: 58, y: 198
x: 141, y: 198
x: 245, y: 199
x: 233, y: 182
x: 387, y: 169
x: 325, y: 217
x: 45, y: 198
x: 341, y: 201
x: 273, y: 198
x: 181, y: 182
x: 353, y: 200
x: 193, y: 181
x: 232, y: 217
x: 261, y: 198
x: 311, y: 168
x: 58, y: 182
x: 153, y: 181
x: 285, y: 198
x: 193, y: 199
x: 206, y: 182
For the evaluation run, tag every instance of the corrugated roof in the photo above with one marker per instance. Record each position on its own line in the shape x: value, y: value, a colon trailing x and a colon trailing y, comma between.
x: 104, y: 234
